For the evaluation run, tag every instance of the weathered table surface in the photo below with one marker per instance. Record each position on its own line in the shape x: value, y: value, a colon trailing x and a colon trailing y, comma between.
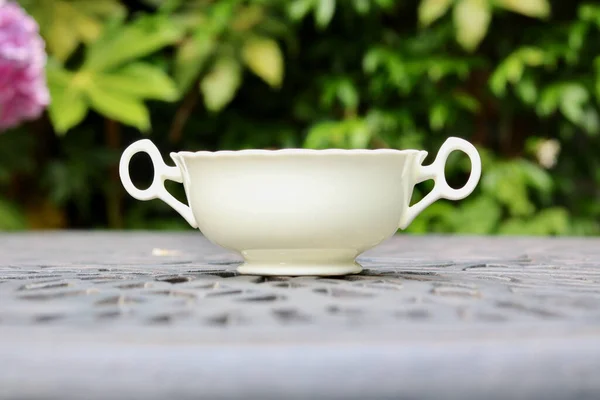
x: 165, y: 316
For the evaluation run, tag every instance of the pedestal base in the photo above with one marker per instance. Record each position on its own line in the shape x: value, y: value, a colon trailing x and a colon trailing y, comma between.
x: 293, y: 269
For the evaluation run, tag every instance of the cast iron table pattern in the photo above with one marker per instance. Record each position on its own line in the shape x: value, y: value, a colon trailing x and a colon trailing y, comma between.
x: 165, y: 315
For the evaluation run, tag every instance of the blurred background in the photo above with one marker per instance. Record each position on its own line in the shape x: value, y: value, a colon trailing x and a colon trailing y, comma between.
x: 518, y: 78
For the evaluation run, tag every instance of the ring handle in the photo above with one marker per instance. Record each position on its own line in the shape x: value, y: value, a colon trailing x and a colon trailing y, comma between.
x: 162, y: 172
x: 441, y: 189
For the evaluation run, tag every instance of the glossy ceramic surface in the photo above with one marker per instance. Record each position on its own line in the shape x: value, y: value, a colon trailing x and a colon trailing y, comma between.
x: 300, y: 212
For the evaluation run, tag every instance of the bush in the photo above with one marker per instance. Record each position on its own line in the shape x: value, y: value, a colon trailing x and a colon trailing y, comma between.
x: 518, y: 78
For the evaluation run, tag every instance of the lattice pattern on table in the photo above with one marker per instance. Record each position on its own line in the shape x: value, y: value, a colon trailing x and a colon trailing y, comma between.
x: 432, y: 281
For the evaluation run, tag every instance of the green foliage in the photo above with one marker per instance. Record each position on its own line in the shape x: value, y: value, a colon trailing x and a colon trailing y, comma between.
x: 112, y: 79
x: 472, y: 18
x: 263, y: 57
x: 221, y: 83
x: 519, y: 78
x: 220, y: 40
x: 11, y: 217
x: 65, y: 24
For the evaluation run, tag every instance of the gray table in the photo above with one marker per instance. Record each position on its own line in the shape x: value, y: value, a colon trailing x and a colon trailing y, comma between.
x: 164, y: 316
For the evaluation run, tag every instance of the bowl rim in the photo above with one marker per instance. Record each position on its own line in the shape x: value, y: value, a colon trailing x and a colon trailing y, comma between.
x: 295, y: 152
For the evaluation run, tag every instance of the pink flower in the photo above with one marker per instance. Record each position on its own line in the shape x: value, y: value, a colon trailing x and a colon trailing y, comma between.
x: 23, y: 90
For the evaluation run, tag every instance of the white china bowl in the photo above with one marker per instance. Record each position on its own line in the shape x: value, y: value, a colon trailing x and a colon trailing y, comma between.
x: 296, y: 211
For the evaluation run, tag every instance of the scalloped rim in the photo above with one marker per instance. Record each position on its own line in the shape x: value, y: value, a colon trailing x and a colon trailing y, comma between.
x: 287, y: 152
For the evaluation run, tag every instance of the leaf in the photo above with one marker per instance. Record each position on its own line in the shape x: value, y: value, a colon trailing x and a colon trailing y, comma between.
x: 56, y: 74
x: 513, y: 69
x: 532, y: 56
x: 373, y: 59
x: 120, y: 107
x: 577, y: 35
x: 498, y: 80
x: 362, y: 7
x: 589, y: 12
x: 263, y: 56
x: 530, y: 8
x: 516, y: 226
x: 507, y: 182
x: 555, y: 220
x: 536, y: 176
x: 597, y: 80
x: 347, y: 94
x: 298, y: 9
x: 11, y: 216
x: 324, y: 12
x: 67, y: 106
x: 342, y: 89
x: 64, y: 24
x: 438, y: 116
x: 320, y: 134
x: 549, y: 100
x: 61, y: 40
x: 437, y: 217
x: 99, y: 8
x: 527, y: 91
x: 221, y: 83
x: 552, y: 221
x: 352, y: 133
x: 467, y: 102
x: 479, y: 215
x: 248, y: 17
x: 358, y: 133
x: 431, y: 10
x: 167, y: 6
x: 591, y: 121
x: 438, y: 68
x: 139, y: 38
x: 574, y: 97
x: 471, y: 20
x: 220, y: 15
x: 190, y: 58
x: 141, y: 80
x: 386, y: 4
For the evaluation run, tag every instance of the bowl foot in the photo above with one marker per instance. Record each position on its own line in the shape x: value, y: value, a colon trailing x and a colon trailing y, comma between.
x: 299, y: 269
